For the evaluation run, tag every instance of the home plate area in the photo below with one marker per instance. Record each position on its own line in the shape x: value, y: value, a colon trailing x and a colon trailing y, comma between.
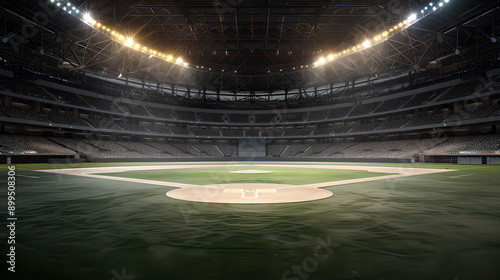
x: 249, y: 193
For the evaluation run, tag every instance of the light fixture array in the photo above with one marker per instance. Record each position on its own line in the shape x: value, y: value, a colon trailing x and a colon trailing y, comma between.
x: 66, y: 6
x: 383, y: 35
x: 130, y: 43
x: 115, y: 35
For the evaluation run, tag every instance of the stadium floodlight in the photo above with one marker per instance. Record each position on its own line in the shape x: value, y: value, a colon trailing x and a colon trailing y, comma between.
x: 367, y: 44
x: 412, y: 18
x: 320, y: 61
x: 86, y: 17
x: 129, y: 42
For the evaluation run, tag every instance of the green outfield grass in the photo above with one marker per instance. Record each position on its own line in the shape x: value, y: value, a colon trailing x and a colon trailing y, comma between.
x: 280, y: 175
x: 438, y: 226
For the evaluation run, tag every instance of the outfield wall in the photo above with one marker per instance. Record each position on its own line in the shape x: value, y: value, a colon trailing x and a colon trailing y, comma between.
x: 461, y: 159
x: 381, y: 160
x: 39, y: 158
x: 66, y: 159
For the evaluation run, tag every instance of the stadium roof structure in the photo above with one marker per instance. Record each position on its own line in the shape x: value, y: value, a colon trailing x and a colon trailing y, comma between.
x: 259, y: 48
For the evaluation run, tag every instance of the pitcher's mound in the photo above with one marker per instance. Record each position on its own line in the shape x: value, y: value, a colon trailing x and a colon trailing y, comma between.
x: 251, y: 172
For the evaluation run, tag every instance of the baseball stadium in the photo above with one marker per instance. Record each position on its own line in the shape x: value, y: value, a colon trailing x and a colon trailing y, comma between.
x: 258, y: 139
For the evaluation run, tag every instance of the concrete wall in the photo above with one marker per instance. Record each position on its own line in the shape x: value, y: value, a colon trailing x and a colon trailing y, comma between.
x: 381, y: 160
x: 470, y: 160
x: 493, y: 160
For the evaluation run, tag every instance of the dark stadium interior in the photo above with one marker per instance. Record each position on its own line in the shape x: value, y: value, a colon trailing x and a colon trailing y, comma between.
x: 438, y: 77
x: 114, y: 81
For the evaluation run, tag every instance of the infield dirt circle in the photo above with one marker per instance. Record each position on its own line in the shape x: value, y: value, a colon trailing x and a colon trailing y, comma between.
x: 249, y: 193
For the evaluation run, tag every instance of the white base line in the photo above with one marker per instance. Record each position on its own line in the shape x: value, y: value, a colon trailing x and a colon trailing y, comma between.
x: 461, y: 175
x: 27, y: 176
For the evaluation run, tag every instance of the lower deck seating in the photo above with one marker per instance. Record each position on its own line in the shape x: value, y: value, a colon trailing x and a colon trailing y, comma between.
x: 97, y: 148
x: 18, y: 144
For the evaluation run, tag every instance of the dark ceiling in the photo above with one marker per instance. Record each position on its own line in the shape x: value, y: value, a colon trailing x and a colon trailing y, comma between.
x: 250, y: 36
x: 266, y: 45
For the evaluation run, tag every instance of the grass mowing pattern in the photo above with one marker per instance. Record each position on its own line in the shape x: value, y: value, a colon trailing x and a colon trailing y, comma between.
x: 437, y: 226
x: 281, y: 175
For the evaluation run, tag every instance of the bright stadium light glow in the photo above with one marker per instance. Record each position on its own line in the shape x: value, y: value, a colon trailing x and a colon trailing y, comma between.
x: 87, y: 18
x: 320, y: 61
x: 129, y: 42
x: 412, y: 17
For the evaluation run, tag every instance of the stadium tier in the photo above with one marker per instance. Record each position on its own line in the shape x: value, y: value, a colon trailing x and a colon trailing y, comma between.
x: 397, y: 149
x: 412, y: 110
